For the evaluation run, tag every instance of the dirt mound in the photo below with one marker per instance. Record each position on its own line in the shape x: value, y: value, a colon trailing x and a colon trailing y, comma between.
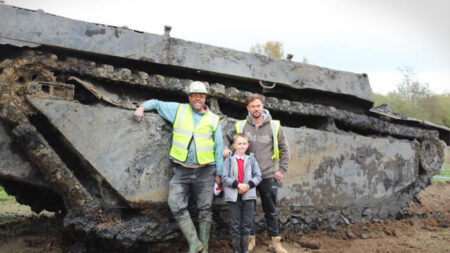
x: 424, y: 228
x: 32, y: 234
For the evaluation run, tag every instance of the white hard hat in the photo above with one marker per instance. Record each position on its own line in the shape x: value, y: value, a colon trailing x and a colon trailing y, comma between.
x: 197, y: 87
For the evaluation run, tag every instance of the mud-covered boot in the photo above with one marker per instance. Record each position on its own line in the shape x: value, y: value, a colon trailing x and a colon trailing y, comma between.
x: 204, y: 231
x: 190, y: 233
x: 236, y: 244
x: 251, y: 242
x: 244, y: 244
x: 276, y: 243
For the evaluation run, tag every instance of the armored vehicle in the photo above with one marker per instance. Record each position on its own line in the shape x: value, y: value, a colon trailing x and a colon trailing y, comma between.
x: 69, y: 143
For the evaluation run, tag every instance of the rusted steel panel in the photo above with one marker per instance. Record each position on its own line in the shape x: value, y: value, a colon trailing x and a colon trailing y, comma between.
x: 13, y: 165
x: 330, y: 170
x: 21, y: 27
x: 132, y: 157
x: 326, y: 169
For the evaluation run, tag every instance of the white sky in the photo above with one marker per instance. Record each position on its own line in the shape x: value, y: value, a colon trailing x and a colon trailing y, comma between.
x: 363, y: 36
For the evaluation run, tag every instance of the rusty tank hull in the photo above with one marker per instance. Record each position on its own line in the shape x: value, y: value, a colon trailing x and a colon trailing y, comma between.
x: 69, y: 144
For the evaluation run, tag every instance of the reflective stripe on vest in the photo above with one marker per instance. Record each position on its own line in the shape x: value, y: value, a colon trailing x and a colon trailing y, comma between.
x: 184, y: 131
x: 275, y: 125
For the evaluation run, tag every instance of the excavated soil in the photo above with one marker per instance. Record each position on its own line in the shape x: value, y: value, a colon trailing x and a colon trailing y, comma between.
x: 424, y: 228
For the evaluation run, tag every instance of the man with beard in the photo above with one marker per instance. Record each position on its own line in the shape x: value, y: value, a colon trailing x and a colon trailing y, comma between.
x: 196, y: 153
x: 270, y: 147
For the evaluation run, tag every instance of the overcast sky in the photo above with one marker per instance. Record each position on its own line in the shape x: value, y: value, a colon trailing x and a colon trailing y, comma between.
x: 363, y: 36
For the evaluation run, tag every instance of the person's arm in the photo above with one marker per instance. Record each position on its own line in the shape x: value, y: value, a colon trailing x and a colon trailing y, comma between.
x: 284, y: 151
x: 256, y: 174
x: 226, y: 179
x: 167, y: 110
x: 218, y: 149
x: 227, y: 141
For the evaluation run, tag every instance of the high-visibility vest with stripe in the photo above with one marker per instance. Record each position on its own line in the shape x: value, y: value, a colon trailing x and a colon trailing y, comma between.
x: 275, y: 125
x: 184, y: 131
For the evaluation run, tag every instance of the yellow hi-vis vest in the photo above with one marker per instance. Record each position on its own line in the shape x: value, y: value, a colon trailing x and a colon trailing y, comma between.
x: 275, y: 125
x: 183, y: 131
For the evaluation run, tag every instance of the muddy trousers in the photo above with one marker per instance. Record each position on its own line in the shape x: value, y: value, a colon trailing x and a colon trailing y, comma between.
x: 242, y: 216
x: 268, y: 190
x: 197, y: 182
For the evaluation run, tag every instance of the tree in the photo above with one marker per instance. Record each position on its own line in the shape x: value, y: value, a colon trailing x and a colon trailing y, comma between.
x: 444, y: 105
x: 414, y: 99
x: 273, y: 49
x: 437, y: 108
x: 410, y: 89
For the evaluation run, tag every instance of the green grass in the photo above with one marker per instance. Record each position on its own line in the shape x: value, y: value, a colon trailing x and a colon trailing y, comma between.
x: 3, y: 195
x: 445, y: 172
x: 6, y: 218
x: 6, y: 199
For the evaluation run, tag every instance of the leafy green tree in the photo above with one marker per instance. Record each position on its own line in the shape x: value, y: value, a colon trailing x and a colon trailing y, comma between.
x: 273, y: 49
x: 414, y: 99
x: 400, y: 105
x: 444, y: 105
x: 438, y: 108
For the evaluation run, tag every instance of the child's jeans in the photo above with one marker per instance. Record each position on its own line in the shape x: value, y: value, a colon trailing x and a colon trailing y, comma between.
x: 242, y: 213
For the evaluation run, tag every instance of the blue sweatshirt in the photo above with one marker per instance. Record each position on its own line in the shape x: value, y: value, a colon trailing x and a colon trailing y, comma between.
x: 168, y: 110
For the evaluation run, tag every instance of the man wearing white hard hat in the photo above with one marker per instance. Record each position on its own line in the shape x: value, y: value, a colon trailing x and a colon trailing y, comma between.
x: 196, y: 153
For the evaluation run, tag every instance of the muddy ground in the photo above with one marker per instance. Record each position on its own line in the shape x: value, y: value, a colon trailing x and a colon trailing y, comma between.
x: 424, y: 229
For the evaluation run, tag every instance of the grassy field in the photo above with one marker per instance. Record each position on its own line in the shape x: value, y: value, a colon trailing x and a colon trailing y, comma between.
x: 445, y: 172
x: 3, y: 195
x: 6, y: 199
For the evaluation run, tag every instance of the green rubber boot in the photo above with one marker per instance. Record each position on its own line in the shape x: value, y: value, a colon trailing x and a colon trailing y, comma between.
x: 190, y: 233
x: 205, y: 229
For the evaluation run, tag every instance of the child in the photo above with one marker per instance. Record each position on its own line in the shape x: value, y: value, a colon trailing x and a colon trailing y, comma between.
x: 240, y: 176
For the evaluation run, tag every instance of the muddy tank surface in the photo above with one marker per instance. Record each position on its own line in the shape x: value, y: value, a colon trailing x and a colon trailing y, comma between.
x: 69, y: 144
